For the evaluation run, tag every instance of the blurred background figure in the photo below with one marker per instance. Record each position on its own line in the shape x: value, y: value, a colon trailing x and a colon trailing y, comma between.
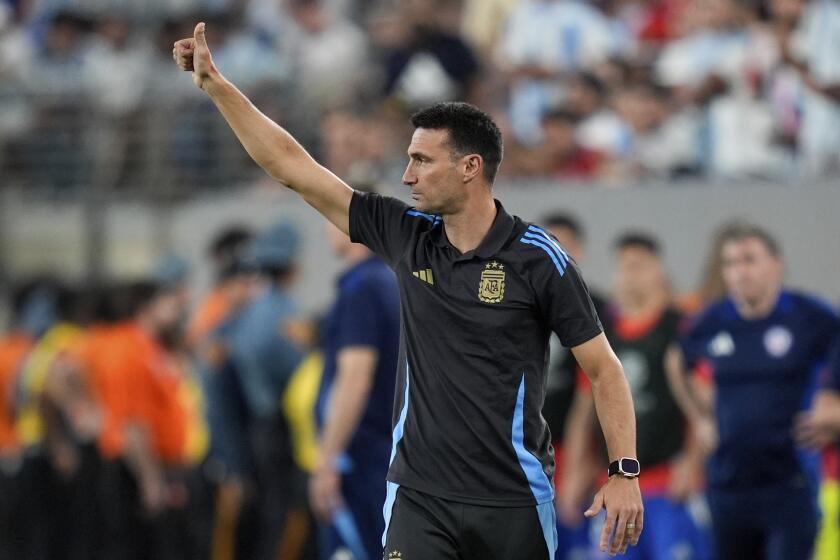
x: 264, y: 348
x: 360, y: 339
x: 643, y: 326
x: 764, y: 346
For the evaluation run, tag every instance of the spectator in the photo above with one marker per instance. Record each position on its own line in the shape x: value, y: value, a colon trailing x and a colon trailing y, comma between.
x: 430, y: 63
x: 52, y: 153
x: 808, y: 38
x: 545, y: 40
x: 114, y: 54
x: 719, y: 66
x: 657, y: 141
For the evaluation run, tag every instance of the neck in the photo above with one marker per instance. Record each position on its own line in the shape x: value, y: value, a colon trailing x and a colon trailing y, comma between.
x: 759, y: 308
x: 468, y: 227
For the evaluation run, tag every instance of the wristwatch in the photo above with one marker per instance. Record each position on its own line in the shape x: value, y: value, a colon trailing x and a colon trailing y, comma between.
x: 626, y: 467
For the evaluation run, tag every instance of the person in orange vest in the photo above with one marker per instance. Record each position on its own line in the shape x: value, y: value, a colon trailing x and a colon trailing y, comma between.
x: 157, y: 411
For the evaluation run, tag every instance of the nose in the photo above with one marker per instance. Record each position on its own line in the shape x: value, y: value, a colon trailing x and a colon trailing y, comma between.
x: 409, y: 178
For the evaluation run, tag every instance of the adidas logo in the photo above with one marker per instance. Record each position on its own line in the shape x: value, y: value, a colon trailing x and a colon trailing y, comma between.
x: 395, y: 555
x: 425, y: 275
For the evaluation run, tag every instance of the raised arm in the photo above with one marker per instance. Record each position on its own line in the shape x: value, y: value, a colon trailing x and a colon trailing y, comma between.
x: 274, y: 149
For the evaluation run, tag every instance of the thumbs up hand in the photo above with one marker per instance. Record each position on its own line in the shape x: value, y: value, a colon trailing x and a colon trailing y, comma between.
x: 193, y: 55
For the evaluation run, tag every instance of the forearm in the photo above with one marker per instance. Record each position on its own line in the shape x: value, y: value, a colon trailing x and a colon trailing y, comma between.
x: 614, y: 405
x: 681, y: 387
x: 139, y: 455
x: 347, y: 403
x: 347, y: 400
x: 270, y: 146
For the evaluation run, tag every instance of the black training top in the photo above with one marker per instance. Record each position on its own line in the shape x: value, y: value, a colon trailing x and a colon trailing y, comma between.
x: 474, y: 350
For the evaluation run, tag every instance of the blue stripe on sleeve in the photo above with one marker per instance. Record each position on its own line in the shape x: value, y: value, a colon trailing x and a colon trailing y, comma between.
x: 560, y: 268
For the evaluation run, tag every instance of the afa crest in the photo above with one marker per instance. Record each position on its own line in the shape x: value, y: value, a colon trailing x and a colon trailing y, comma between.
x: 491, y: 289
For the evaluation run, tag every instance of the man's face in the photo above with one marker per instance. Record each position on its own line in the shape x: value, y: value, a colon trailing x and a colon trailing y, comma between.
x: 437, y: 185
x: 639, y: 273
x: 750, y: 271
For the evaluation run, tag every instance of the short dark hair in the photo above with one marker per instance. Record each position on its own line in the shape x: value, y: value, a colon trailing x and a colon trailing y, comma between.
x: 567, y: 221
x: 740, y: 230
x: 471, y: 131
x: 638, y: 240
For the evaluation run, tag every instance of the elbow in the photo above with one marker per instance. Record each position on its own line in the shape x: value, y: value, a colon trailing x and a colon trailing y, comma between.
x: 607, y: 373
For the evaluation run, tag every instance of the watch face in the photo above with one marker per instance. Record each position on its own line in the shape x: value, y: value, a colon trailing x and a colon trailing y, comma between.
x: 630, y: 467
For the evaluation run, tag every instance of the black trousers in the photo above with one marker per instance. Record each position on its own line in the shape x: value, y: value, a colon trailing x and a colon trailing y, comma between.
x: 425, y: 526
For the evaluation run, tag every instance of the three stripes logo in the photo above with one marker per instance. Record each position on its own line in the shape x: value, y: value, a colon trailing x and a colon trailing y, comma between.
x: 425, y: 275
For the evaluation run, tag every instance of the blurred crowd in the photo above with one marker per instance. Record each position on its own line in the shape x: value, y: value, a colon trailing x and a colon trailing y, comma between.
x: 605, y: 91
x: 141, y: 420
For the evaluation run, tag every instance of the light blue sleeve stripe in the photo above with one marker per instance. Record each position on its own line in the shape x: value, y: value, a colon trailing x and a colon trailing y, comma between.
x: 345, y: 526
x: 400, y: 427
x: 548, y: 520
x: 545, y: 248
x: 537, y: 479
x: 387, y: 511
x: 563, y: 260
x: 550, y: 239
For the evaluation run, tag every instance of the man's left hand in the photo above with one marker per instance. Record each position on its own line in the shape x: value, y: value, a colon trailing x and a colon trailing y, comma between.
x: 622, y: 499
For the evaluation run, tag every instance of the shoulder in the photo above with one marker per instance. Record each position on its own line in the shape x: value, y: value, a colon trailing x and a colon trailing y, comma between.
x: 539, y: 250
x: 810, y: 304
x: 373, y: 277
x: 714, y: 316
x: 378, y: 204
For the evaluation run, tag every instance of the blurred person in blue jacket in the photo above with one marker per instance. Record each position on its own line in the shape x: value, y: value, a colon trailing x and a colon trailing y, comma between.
x: 259, y: 354
x: 360, y: 341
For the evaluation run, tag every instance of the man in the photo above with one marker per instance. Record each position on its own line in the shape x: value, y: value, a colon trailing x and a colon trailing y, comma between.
x: 156, y: 408
x: 644, y: 325
x: 471, y: 457
x: 360, y: 338
x: 764, y: 345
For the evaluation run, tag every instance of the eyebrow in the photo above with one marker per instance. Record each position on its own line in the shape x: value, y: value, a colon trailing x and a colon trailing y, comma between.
x: 417, y: 154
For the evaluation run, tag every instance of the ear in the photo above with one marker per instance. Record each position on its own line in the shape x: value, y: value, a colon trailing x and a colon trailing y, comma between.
x: 473, y: 166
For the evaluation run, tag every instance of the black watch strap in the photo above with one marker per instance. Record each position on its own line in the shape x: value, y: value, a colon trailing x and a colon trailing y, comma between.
x: 625, y: 466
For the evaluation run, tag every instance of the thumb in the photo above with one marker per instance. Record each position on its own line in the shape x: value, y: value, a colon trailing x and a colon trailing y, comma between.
x: 198, y: 35
x: 597, y: 505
